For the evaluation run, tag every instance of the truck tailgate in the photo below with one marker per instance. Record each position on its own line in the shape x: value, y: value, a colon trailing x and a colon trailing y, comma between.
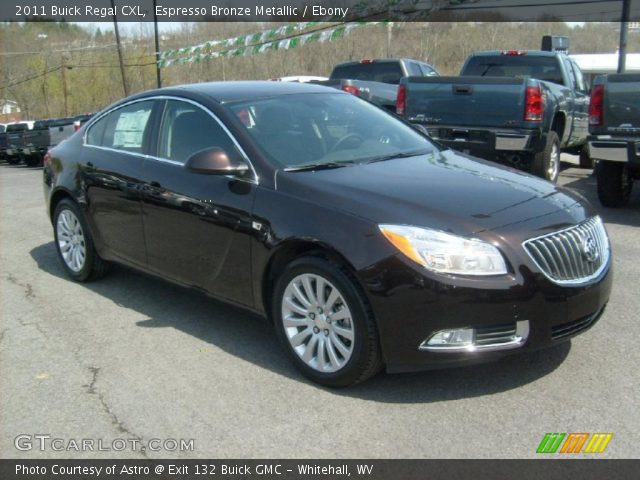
x: 492, y: 102
x: 622, y: 103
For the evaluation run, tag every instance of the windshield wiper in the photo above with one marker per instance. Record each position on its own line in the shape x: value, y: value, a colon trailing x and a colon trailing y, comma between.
x: 393, y: 156
x: 317, y: 166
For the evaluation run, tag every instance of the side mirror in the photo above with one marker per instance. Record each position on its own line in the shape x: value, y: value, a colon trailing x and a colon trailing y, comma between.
x: 217, y: 161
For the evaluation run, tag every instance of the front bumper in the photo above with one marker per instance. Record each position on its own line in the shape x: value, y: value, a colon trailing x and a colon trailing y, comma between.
x: 410, y: 306
x: 615, y: 149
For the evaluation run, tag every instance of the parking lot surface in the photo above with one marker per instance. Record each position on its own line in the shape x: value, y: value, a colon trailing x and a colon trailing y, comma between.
x: 133, y: 357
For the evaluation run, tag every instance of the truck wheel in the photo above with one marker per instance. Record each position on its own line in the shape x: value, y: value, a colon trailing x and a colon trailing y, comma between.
x: 32, y: 161
x: 546, y: 164
x: 585, y: 159
x: 614, y: 184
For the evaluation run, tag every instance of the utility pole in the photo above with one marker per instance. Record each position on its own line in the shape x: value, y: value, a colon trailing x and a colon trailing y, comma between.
x: 389, y: 32
x: 624, y: 29
x: 157, y: 42
x: 115, y: 28
x: 63, y: 69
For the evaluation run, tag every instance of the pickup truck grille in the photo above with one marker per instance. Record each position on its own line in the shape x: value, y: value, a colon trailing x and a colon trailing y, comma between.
x: 574, y: 255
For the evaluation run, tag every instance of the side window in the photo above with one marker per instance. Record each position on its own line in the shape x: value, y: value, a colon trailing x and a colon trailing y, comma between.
x: 414, y: 69
x: 570, y: 72
x: 187, y: 129
x: 427, y: 71
x: 123, y: 129
x: 580, y: 83
x: 96, y: 132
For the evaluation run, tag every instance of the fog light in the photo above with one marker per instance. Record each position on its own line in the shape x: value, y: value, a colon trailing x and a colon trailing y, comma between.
x: 460, y: 337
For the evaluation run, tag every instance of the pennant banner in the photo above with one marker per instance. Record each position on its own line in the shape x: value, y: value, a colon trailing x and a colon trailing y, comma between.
x: 241, y: 40
x: 330, y: 34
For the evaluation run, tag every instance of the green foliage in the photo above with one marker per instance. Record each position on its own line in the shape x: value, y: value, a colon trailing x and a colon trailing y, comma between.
x: 93, y: 77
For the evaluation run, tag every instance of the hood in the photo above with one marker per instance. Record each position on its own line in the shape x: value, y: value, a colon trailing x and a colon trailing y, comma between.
x: 444, y: 190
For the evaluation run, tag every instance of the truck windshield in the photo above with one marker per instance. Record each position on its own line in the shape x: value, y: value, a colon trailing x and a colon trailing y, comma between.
x: 385, y: 72
x: 326, y: 129
x: 519, y: 66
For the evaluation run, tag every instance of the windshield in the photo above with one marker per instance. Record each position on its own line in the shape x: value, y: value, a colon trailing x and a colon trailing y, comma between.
x: 326, y: 128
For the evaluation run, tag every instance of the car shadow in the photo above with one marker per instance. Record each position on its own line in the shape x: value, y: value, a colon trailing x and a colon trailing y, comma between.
x: 586, y: 185
x: 252, y: 339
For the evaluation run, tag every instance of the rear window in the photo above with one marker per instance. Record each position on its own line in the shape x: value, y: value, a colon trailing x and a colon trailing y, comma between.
x: 60, y: 122
x: 17, y: 127
x: 519, y: 66
x: 385, y: 72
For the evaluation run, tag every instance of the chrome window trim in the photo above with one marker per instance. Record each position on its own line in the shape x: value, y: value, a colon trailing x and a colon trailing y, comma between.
x: 581, y: 280
x: 255, y: 179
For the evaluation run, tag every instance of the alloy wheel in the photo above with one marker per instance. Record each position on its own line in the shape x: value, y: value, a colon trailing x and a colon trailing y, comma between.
x: 71, y: 241
x: 318, y: 323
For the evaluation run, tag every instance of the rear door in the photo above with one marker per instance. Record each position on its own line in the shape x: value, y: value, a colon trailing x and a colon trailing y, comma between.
x: 112, y: 163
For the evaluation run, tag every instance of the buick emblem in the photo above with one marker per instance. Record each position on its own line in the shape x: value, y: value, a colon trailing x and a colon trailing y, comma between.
x: 590, y: 250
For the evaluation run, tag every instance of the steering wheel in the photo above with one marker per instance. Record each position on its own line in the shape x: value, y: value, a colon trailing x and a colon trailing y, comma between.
x: 340, y: 143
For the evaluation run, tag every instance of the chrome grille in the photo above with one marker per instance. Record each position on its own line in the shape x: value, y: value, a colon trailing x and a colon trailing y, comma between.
x: 574, y: 255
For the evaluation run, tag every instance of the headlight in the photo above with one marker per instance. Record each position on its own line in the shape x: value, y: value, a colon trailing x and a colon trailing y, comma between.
x: 445, y: 253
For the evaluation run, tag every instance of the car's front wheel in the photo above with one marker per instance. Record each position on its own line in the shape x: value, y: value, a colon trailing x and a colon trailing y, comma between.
x: 325, y: 323
x: 74, y: 243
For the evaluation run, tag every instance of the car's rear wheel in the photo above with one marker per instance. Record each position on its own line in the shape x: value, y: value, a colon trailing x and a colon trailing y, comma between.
x: 33, y: 160
x: 546, y: 164
x: 614, y: 183
x: 325, y: 323
x: 74, y: 243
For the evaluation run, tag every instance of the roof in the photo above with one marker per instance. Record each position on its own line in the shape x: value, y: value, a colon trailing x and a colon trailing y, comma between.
x: 606, y: 62
x: 532, y: 53
x: 225, y: 92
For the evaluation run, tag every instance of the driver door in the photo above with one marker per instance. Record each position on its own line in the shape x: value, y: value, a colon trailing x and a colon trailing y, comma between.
x: 196, y: 224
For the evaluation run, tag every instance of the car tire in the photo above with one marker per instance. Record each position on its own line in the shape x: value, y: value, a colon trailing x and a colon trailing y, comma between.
x: 614, y: 184
x: 326, y: 355
x: 585, y: 159
x: 74, y: 244
x: 33, y: 161
x: 546, y: 164
x: 13, y: 160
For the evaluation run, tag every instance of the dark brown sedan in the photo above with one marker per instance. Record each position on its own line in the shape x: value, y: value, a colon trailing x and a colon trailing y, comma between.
x: 366, y: 244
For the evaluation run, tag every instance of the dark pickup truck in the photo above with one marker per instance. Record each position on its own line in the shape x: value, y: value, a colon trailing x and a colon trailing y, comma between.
x: 44, y: 135
x: 614, y: 140
x: 15, y: 142
x: 521, y: 108
x: 376, y: 80
x: 3, y: 140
